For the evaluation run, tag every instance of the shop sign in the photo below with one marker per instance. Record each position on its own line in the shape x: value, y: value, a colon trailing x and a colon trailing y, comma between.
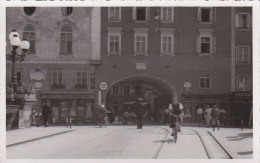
x: 103, y: 85
x: 243, y: 94
x: 187, y: 85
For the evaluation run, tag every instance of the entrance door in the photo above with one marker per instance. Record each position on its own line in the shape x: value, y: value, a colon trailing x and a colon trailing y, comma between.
x: 63, y: 111
x: 81, y: 111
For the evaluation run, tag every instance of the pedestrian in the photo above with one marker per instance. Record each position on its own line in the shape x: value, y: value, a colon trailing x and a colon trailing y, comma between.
x: 139, y: 111
x: 215, y: 116
x: 200, y: 116
x: 45, y: 113
x: 101, y: 110
x: 207, y: 115
x: 53, y: 117
x: 68, y: 119
x: 38, y: 118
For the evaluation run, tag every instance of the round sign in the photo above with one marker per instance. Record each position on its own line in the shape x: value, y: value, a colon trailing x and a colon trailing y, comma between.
x: 37, y: 85
x: 103, y: 85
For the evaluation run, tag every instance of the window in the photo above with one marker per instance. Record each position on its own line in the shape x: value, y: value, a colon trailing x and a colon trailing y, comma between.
x: 206, y: 43
x: 243, y: 21
x: 81, y: 80
x: 141, y: 65
x: 205, y: 15
x: 57, y: 79
x: 29, y: 10
x: 114, y: 40
x: 243, y: 83
x: 29, y: 35
x: 115, y: 90
x: 19, y: 77
x: 204, y: 81
x: 66, y: 11
x: 137, y: 89
x: 242, y: 55
x: 167, y: 41
x: 141, y: 42
x: 140, y: 13
x: 126, y: 90
x: 114, y: 13
x: 66, y: 41
x: 167, y: 14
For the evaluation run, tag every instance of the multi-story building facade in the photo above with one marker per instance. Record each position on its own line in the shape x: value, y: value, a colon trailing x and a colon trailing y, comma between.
x: 195, y: 55
x: 82, y: 57
x: 60, y: 64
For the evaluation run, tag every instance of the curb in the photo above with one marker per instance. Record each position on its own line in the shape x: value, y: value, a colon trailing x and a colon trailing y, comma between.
x: 230, y: 154
x: 38, y: 138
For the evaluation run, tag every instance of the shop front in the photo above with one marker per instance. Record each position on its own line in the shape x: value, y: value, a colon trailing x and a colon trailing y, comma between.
x: 79, y: 106
x: 192, y: 102
x: 241, y: 107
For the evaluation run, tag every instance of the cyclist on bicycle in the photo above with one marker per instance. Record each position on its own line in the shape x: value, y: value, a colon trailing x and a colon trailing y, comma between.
x: 175, y: 117
x: 216, y: 116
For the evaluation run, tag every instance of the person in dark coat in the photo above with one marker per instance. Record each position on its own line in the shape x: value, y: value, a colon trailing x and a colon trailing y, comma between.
x: 45, y: 113
x: 139, y: 111
x: 101, y: 110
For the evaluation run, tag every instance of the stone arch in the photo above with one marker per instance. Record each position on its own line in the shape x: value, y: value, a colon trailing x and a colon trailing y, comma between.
x: 151, y: 80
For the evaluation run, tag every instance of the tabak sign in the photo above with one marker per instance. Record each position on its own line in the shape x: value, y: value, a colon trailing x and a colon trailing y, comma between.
x: 242, y: 94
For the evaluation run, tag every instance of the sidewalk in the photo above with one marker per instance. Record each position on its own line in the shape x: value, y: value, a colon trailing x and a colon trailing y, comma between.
x: 239, y: 144
x: 19, y: 136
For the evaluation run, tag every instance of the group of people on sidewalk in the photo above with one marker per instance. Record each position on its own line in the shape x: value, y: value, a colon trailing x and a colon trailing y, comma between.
x: 212, y: 116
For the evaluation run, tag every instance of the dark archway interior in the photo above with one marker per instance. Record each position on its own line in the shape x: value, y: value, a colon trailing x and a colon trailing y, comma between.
x: 122, y: 96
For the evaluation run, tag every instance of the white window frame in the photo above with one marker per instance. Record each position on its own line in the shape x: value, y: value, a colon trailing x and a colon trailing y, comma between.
x: 110, y: 14
x: 248, y: 23
x: 141, y: 62
x: 243, y: 84
x: 113, y: 31
x: 206, y: 33
x: 147, y: 14
x: 141, y: 32
x: 167, y: 32
x: 242, y: 62
x: 52, y: 77
x: 200, y: 15
x: 205, y: 76
x: 80, y: 83
x: 166, y: 20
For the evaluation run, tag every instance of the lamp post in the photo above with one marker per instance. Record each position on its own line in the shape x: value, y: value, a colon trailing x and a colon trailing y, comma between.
x: 24, y: 45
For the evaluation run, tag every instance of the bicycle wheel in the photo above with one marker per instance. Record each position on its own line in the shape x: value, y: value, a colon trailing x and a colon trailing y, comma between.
x: 175, y: 133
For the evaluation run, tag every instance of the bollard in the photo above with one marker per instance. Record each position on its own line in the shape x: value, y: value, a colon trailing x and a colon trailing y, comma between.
x: 242, y: 124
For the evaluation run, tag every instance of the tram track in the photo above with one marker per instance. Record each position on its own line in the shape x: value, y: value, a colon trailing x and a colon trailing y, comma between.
x: 213, y: 152
x: 161, y: 145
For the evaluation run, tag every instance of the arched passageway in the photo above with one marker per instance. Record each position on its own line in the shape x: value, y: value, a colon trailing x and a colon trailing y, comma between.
x: 121, y: 96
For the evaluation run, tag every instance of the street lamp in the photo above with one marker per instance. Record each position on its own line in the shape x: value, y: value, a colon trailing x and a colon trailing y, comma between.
x: 24, y: 45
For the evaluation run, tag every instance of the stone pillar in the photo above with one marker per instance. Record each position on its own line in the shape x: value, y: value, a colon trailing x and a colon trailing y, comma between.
x: 26, y: 111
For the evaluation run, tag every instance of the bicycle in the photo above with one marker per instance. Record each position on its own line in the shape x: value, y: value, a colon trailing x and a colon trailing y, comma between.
x: 175, y: 126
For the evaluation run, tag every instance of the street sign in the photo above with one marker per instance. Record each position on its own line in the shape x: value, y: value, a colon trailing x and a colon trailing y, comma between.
x: 103, y: 85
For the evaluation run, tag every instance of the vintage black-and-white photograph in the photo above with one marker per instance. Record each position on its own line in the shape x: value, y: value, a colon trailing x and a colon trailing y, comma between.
x: 135, y: 82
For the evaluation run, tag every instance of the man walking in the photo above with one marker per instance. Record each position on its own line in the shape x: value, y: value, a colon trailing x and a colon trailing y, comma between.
x: 45, y: 113
x: 215, y: 116
x: 139, y: 111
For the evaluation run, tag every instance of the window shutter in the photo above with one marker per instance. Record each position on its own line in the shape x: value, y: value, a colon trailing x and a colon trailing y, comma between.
x: 147, y: 13
x: 134, y: 13
x: 237, y: 20
x: 108, y: 44
x: 213, y: 45
x: 214, y: 14
x: 198, y: 45
x: 199, y: 14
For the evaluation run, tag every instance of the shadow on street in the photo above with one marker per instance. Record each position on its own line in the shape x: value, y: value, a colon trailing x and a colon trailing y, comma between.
x: 245, y: 153
x: 240, y: 136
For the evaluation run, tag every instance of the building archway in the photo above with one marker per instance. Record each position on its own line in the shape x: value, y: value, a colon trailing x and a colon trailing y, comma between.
x: 121, y: 96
